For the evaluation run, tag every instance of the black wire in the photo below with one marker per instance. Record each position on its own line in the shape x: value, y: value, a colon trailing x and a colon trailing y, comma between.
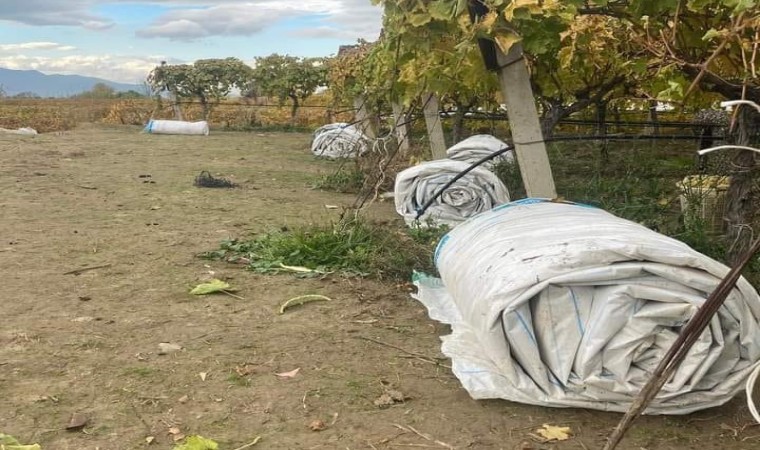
x: 456, y: 178
x: 501, y: 151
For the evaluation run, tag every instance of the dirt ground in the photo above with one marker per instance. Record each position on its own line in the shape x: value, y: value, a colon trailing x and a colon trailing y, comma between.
x: 88, y: 343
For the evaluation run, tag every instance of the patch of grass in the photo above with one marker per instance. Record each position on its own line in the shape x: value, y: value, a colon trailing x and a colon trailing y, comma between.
x: 648, y: 201
x: 280, y: 128
x: 509, y: 174
x: 345, y: 180
x: 90, y: 344
x: 238, y: 379
x: 428, y: 236
x: 349, y: 247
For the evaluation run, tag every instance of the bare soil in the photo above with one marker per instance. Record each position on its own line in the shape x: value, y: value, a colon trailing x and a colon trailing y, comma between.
x: 87, y: 342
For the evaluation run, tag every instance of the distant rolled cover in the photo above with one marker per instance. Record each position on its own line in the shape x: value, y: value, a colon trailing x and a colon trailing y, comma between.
x: 566, y: 305
x: 477, y: 147
x: 476, y: 192
x: 177, y: 127
x: 339, y: 140
x: 22, y: 131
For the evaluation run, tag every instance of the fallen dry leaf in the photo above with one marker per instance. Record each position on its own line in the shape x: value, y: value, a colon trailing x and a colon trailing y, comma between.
x: 77, y: 422
x: 177, y: 435
x: 317, y: 425
x: 554, y: 433
x: 384, y: 401
x: 397, y: 396
x: 83, y: 319
x: 290, y: 374
x: 245, y: 370
x: 390, y: 398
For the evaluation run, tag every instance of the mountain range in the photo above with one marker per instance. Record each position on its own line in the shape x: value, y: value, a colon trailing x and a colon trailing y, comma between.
x: 15, y: 82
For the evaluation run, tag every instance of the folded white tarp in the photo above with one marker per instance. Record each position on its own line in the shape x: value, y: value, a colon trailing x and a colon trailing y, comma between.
x: 476, y: 192
x: 177, y: 127
x: 26, y: 131
x: 339, y: 140
x: 478, y: 146
x: 569, y: 306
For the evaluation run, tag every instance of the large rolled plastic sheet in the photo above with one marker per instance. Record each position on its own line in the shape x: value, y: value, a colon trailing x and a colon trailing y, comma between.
x: 476, y: 192
x: 339, y: 140
x: 477, y: 147
x: 565, y: 305
x: 177, y: 127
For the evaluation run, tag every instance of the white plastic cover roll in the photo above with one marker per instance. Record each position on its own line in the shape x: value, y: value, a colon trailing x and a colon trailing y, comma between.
x: 339, y: 140
x: 26, y: 131
x: 476, y: 192
x: 569, y: 306
x: 177, y: 127
x: 477, y: 147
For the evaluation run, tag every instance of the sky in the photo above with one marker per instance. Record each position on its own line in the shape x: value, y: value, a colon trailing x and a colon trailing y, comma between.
x: 122, y: 40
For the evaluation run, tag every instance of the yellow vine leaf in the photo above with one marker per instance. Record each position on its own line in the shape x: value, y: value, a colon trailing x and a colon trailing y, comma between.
x: 488, y: 21
x: 554, y: 433
x: 210, y: 287
x: 506, y: 41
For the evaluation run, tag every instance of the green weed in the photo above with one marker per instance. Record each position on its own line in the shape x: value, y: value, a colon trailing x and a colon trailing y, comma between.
x: 509, y: 174
x: 238, y: 379
x: 346, y: 180
x: 349, y: 247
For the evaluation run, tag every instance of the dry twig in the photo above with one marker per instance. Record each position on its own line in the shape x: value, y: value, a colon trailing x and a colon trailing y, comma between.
x: 86, y: 269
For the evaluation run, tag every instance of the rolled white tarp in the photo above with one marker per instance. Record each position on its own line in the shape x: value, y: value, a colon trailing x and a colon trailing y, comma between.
x: 566, y: 305
x: 339, y: 140
x: 476, y: 192
x: 26, y: 131
x: 177, y: 127
x: 479, y: 146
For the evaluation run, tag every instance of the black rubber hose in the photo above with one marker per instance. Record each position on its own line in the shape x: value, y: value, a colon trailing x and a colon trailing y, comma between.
x: 509, y: 147
x: 477, y: 163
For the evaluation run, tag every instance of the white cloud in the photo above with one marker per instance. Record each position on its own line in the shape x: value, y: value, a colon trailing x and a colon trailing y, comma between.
x: 35, y: 46
x: 197, y: 19
x: 221, y: 20
x: 124, y: 69
x: 53, y: 12
x: 352, y: 20
x: 349, y: 19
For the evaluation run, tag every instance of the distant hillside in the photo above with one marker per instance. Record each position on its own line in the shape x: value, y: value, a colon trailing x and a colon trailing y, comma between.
x: 17, y: 81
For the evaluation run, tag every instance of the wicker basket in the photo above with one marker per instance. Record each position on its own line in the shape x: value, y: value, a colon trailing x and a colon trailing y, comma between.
x: 703, y: 202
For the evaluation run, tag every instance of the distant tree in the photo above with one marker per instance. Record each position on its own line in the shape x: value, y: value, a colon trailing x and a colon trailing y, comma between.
x: 208, y: 80
x: 289, y: 77
x: 102, y: 90
x: 99, y: 90
x: 26, y: 94
x: 130, y: 94
x: 168, y: 78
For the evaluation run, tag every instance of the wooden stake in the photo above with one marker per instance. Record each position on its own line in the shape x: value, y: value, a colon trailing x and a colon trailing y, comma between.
x: 402, y: 127
x: 363, y: 117
x: 432, y: 110
x: 523, y: 121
